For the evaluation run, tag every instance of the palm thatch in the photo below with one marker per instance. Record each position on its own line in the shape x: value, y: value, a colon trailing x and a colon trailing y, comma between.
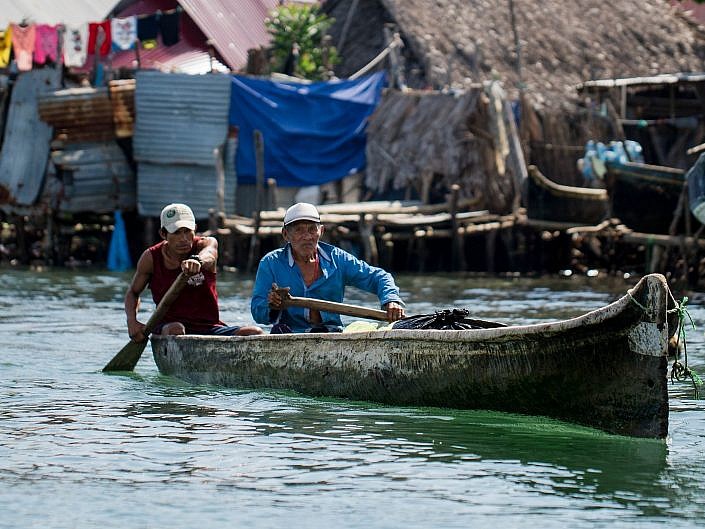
x: 431, y: 140
x: 540, y: 55
x: 561, y: 44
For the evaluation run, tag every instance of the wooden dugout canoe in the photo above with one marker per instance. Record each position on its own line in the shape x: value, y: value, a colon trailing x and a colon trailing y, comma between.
x: 547, y: 200
x: 645, y: 197
x: 605, y: 369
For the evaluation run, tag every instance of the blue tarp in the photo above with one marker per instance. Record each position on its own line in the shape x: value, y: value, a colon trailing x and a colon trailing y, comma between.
x: 313, y: 133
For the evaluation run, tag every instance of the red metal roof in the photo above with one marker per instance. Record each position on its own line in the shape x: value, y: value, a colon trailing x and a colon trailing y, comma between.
x: 697, y: 11
x: 189, y: 55
x: 233, y: 26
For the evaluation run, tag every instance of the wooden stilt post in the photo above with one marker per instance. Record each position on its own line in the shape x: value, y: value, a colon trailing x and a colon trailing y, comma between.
x: 367, y: 236
x: 656, y: 256
x: 490, y: 246
x: 462, y: 262
x: 20, y: 232
x: 272, y: 199
x: 411, y: 250
x: 420, y: 236
x: 387, y: 258
x: 149, y: 232
x: 220, y: 177
x: 455, y: 243
x: 49, y: 254
x: 259, y: 199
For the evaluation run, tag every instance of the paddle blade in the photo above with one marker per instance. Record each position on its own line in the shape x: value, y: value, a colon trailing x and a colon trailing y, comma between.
x: 126, y: 359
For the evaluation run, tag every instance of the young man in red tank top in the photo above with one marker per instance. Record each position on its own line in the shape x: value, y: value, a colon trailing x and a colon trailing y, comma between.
x: 195, y: 311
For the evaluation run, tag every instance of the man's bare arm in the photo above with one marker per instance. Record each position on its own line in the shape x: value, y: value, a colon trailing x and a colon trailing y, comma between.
x: 139, y: 282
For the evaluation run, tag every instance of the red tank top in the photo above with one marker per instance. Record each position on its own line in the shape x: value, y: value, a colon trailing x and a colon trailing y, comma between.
x: 197, y: 305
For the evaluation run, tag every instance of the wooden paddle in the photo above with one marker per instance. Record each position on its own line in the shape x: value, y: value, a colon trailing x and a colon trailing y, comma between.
x: 361, y: 312
x: 331, y: 306
x: 127, y: 357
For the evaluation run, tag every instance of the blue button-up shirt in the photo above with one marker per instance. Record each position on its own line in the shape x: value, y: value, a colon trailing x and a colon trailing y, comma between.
x: 338, y: 269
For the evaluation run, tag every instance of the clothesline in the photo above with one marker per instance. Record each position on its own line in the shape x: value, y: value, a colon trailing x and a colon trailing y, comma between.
x: 71, y: 45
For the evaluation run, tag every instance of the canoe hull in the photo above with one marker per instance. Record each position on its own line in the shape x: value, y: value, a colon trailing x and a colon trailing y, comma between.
x: 606, y: 369
x: 645, y: 197
x: 549, y: 201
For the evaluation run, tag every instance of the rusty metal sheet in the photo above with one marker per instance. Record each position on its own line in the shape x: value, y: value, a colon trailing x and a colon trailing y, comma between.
x: 122, y: 95
x: 78, y: 114
x: 25, y: 148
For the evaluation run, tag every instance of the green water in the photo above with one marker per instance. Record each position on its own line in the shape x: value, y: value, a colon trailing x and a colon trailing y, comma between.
x: 79, y: 448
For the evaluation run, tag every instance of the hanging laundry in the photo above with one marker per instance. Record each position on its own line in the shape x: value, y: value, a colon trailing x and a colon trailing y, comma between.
x: 76, y: 45
x: 124, y: 32
x: 94, y: 39
x: 169, y: 27
x: 148, y: 30
x: 23, y: 38
x: 46, y: 43
x: 5, y: 47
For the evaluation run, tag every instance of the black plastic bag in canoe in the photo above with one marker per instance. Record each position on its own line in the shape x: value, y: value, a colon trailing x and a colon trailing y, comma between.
x: 448, y: 319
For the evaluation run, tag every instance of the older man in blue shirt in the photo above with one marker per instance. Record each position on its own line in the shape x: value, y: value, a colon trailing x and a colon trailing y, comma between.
x: 314, y: 269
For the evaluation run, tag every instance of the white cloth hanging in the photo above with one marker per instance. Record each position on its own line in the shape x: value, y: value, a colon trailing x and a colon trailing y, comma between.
x: 124, y: 33
x: 76, y: 45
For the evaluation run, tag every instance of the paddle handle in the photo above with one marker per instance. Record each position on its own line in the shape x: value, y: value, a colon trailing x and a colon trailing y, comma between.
x: 338, y: 308
x: 166, y: 302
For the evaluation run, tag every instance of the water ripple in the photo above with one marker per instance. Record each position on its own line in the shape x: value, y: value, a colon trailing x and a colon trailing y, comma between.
x: 82, y: 449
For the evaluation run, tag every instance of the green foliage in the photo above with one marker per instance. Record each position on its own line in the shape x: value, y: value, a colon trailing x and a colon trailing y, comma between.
x: 303, y: 26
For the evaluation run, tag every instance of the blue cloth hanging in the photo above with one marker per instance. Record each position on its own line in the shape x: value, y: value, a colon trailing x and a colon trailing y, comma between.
x: 313, y: 133
x: 118, y: 252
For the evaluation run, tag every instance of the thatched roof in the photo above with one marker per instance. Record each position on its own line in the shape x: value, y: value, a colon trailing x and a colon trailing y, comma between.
x: 431, y: 140
x: 458, y: 42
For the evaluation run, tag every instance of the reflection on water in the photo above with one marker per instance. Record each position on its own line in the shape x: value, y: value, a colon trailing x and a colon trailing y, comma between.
x: 569, y: 459
x: 82, y: 449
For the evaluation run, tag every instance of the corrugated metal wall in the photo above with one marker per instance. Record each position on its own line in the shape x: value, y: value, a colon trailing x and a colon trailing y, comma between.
x: 25, y: 148
x: 96, y: 177
x: 4, y: 94
x: 180, y: 120
x: 93, y: 174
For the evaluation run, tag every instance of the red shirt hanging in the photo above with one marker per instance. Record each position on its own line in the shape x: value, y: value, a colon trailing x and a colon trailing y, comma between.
x: 93, y: 31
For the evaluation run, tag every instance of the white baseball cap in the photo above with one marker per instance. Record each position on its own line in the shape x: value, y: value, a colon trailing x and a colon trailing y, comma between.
x: 301, y: 211
x: 175, y: 216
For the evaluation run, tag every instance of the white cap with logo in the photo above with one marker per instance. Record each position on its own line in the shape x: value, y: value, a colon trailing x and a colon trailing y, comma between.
x: 301, y: 211
x: 175, y: 216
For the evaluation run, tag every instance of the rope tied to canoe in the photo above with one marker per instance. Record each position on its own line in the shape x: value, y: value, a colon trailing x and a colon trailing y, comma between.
x: 648, y: 311
x: 681, y: 371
